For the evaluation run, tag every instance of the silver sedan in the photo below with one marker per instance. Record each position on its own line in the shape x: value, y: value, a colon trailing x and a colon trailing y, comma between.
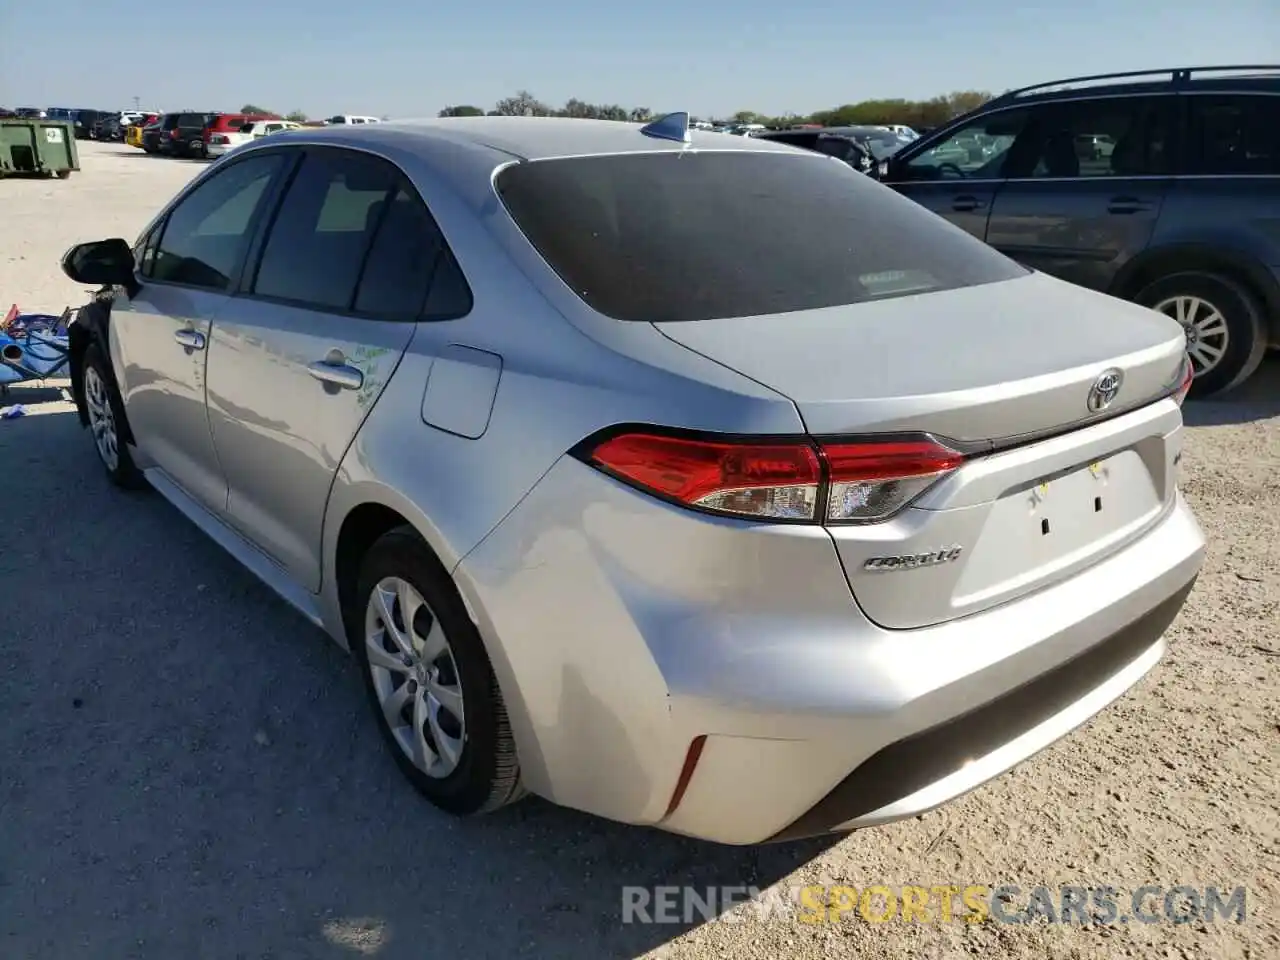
x: 692, y: 481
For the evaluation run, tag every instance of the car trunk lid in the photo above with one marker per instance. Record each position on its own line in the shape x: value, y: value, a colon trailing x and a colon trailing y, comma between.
x: 1005, y: 371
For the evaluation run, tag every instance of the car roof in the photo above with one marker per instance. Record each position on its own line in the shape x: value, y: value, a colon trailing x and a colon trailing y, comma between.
x: 527, y: 138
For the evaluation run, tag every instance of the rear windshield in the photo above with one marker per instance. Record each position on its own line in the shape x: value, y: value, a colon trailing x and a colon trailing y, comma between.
x: 703, y: 235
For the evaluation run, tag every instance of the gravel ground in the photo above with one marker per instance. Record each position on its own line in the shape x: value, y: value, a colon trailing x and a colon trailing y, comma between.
x: 187, y: 768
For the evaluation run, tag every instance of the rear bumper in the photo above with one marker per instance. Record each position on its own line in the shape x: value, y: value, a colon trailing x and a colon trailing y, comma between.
x: 622, y: 629
x: 924, y: 770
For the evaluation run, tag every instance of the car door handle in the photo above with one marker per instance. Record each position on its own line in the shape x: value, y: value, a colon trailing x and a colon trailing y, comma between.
x: 966, y: 204
x: 340, y: 374
x: 1127, y: 205
x: 192, y: 339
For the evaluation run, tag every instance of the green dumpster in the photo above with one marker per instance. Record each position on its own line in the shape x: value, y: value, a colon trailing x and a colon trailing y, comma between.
x: 46, y: 147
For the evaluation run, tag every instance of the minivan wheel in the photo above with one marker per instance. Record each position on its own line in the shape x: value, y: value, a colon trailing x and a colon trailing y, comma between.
x: 1223, y: 323
x: 429, y: 681
x: 106, y: 421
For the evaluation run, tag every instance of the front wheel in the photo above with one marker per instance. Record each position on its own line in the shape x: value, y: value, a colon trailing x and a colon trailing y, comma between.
x: 429, y: 681
x: 1223, y: 323
x: 106, y: 419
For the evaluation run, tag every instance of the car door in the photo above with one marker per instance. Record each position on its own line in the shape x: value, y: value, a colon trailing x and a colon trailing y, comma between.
x: 959, y: 176
x: 299, y: 359
x: 1085, y: 200
x: 188, y: 266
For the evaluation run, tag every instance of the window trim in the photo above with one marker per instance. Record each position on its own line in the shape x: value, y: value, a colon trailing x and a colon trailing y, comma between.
x: 253, y: 261
x: 161, y: 226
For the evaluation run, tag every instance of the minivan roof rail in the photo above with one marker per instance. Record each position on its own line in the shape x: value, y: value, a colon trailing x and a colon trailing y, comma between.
x: 1175, y: 76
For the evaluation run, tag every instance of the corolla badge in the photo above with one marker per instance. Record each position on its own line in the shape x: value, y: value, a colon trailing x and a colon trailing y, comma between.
x: 1105, y: 389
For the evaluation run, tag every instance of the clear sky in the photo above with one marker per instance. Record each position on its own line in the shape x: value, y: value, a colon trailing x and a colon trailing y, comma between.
x: 409, y: 58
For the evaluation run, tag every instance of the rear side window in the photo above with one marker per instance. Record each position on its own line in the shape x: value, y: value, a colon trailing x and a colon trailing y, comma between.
x: 409, y: 258
x: 322, y: 231
x: 1107, y: 137
x: 701, y: 235
x: 1235, y: 135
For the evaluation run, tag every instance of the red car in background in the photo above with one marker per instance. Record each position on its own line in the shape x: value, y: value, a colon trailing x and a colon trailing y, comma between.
x: 229, y: 123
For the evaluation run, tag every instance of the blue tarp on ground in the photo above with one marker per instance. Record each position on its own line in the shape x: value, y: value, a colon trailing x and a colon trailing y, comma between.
x: 35, y: 346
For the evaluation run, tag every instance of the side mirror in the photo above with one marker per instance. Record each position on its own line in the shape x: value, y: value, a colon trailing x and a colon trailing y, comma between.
x: 100, y: 263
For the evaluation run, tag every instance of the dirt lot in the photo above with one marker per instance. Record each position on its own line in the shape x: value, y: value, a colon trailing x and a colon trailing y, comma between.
x: 187, y: 768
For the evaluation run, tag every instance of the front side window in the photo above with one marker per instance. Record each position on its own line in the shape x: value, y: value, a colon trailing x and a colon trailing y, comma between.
x: 1235, y: 135
x: 1107, y: 137
x: 694, y: 236
x: 208, y: 232
x: 978, y: 150
x: 326, y: 221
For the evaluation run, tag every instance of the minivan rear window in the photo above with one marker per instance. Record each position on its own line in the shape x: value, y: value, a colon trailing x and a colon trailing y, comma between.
x: 715, y: 234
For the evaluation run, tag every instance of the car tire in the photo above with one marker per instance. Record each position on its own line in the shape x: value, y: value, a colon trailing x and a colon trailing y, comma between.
x: 1226, y: 333
x: 107, y: 421
x: 467, y: 767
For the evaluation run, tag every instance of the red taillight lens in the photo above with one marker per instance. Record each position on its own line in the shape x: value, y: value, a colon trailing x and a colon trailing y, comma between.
x: 858, y: 482
x: 1188, y: 375
x: 779, y: 481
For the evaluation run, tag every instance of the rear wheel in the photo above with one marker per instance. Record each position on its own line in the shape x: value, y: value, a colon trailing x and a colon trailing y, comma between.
x: 1223, y: 323
x: 106, y: 421
x: 429, y: 681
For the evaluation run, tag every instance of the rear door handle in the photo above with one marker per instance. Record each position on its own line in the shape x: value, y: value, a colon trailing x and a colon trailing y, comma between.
x: 190, y: 338
x: 340, y: 374
x: 966, y: 204
x: 1127, y: 205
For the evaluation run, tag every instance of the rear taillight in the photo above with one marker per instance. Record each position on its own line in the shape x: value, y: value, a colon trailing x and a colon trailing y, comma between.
x: 792, y: 480
x: 1188, y: 375
x: 873, y: 481
x: 174, y: 134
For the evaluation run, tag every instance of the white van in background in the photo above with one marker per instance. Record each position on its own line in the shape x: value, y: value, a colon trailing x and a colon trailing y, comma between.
x: 352, y: 118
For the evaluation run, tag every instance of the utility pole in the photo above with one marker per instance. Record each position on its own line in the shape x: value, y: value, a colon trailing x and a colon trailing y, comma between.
x: 137, y: 102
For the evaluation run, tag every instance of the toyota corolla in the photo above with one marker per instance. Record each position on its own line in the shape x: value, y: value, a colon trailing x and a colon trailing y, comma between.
x: 693, y: 481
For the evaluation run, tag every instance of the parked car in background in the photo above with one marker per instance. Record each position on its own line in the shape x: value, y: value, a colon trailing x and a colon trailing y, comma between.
x: 30, y: 113
x: 135, y: 131
x: 223, y: 143
x: 839, y: 145
x: 226, y: 124
x: 153, y: 134
x: 861, y: 147
x: 349, y: 118
x: 84, y: 123
x: 107, y: 127
x: 1159, y: 187
x: 646, y: 478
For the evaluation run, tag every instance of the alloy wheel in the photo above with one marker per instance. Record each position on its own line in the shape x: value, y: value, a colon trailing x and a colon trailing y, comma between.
x: 102, y: 420
x: 1205, y: 328
x: 415, y: 677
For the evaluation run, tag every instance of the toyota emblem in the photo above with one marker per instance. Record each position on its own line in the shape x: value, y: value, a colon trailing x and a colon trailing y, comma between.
x: 1105, y: 389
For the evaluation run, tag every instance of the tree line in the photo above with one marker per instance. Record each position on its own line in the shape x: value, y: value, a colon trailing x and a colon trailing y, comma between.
x: 297, y: 116
x: 912, y: 113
